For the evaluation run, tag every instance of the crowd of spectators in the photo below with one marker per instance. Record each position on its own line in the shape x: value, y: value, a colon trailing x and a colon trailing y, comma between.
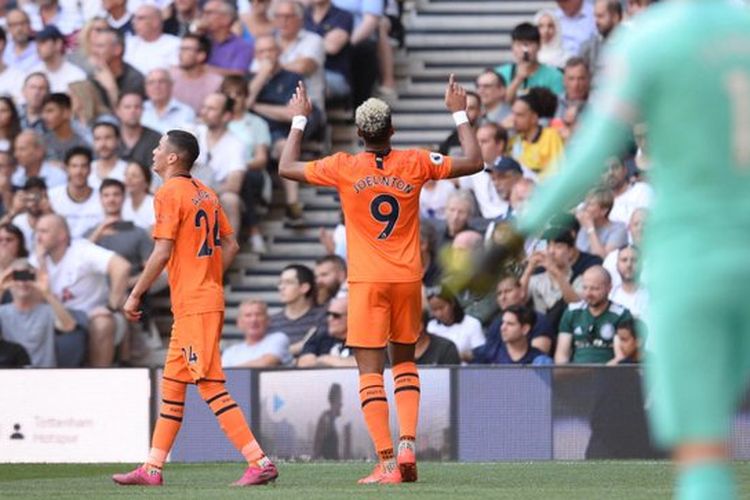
x: 87, y: 90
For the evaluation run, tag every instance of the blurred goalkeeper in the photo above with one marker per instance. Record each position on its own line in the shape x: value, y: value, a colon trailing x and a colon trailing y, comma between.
x: 684, y: 70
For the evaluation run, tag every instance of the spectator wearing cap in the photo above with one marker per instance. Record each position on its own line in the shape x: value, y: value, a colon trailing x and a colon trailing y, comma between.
x: 149, y: 48
x: 230, y: 54
x: 11, y: 78
x: 555, y: 287
x: 535, y: 146
x: 162, y: 112
x: 328, y: 346
x: 51, y: 48
x: 599, y: 235
x: 505, y: 173
x: 193, y: 80
x: 576, y: 22
x: 30, y: 152
x: 60, y: 136
x: 491, y: 88
x: 450, y: 321
x: 526, y: 71
x: 20, y: 52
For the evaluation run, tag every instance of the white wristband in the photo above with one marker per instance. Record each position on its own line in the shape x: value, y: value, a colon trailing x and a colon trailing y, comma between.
x: 460, y: 117
x: 299, y: 122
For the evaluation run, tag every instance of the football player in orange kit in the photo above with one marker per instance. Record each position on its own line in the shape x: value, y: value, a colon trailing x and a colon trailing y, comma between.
x: 379, y: 190
x: 194, y: 240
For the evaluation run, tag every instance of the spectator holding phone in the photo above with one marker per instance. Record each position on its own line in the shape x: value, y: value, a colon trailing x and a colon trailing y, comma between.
x: 34, y: 315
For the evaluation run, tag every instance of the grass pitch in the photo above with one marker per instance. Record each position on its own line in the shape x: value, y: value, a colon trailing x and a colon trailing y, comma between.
x: 311, y: 481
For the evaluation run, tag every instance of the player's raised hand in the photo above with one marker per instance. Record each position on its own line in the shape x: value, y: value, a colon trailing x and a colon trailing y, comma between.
x: 455, y: 95
x: 300, y: 103
x: 132, y: 308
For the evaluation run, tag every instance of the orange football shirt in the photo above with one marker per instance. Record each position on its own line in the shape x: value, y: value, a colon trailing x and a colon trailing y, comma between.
x: 380, y: 200
x: 189, y: 213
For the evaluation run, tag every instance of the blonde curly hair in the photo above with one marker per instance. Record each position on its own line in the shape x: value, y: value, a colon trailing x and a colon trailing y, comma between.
x: 373, y: 118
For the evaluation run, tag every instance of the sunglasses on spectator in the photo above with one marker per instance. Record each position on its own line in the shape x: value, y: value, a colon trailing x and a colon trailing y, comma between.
x: 335, y: 315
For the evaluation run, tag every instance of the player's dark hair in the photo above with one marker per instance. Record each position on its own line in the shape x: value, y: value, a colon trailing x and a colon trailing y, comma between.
x: 526, y: 32
x: 107, y: 124
x: 305, y: 275
x: 107, y: 183
x: 523, y: 314
x: 185, y: 145
x: 79, y: 151
x: 18, y: 234
x: 58, y: 98
x: 334, y: 259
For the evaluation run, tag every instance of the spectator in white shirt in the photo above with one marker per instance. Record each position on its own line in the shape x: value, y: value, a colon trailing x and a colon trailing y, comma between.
x: 11, y: 78
x: 107, y: 164
x: 60, y: 73
x: 149, y: 48
x: 223, y: 157
x: 30, y: 153
x: 629, y: 292
x: 139, y: 202
x: 451, y: 322
x: 577, y: 22
x: 20, y: 53
x: 86, y: 278
x: 260, y: 349
x: 162, y: 112
x: 77, y: 201
x: 629, y: 196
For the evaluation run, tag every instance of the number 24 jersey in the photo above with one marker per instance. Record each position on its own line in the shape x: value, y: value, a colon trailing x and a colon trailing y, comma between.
x: 189, y: 213
x: 380, y: 200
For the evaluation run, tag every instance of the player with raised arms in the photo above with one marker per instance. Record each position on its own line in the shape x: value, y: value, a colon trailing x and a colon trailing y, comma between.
x: 379, y: 190
x: 194, y: 240
x: 683, y: 68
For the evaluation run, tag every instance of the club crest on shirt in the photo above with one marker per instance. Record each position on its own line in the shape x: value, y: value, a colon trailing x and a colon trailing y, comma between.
x: 607, y: 331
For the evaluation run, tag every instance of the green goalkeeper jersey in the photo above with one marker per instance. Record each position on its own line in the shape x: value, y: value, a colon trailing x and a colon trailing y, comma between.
x: 683, y: 69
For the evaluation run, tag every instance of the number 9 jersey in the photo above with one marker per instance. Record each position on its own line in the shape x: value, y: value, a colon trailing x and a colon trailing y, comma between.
x: 380, y: 199
x: 189, y: 213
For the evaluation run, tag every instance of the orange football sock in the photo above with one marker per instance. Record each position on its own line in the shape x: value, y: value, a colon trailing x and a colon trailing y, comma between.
x: 169, y: 422
x: 406, y: 392
x: 375, y: 409
x: 231, y: 420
